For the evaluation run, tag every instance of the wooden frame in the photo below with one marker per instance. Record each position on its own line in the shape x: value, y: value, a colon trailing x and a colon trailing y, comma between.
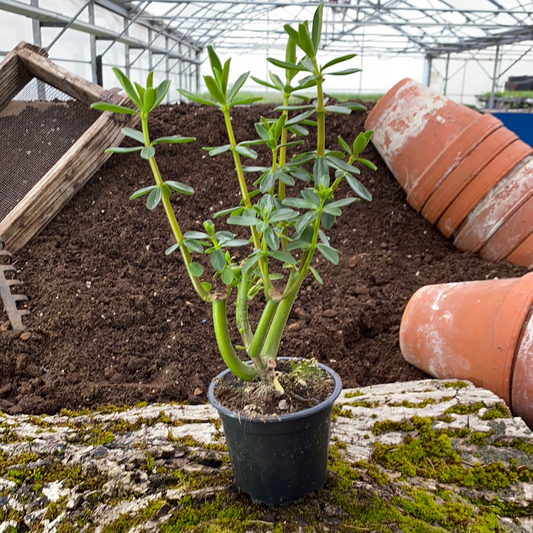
x: 79, y: 163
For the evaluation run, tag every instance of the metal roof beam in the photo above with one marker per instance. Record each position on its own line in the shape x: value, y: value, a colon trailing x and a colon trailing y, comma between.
x: 43, y: 15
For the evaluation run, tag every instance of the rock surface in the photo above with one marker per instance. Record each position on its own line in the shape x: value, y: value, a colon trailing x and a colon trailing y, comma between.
x: 96, y: 471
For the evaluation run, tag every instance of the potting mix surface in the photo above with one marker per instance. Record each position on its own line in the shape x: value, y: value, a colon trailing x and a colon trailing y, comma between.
x: 115, y: 321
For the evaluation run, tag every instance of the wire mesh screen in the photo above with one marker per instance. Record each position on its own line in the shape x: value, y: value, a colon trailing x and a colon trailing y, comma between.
x: 37, y: 128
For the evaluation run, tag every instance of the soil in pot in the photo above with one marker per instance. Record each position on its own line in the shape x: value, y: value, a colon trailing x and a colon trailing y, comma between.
x: 115, y: 321
x: 304, y: 383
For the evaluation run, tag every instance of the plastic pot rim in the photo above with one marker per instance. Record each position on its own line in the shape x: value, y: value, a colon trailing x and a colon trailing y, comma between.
x: 276, y: 418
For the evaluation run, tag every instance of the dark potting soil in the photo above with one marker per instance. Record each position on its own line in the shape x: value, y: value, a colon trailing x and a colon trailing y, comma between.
x: 304, y: 385
x: 115, y: 321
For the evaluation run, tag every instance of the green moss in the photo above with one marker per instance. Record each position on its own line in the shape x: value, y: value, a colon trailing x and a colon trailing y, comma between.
x: 478, y: 439
x: 353, y: 394
x: 8, y: 435
x: 462, y: 409
x: 500, y: 410
x: 388, y: 425
x: 456, y: 385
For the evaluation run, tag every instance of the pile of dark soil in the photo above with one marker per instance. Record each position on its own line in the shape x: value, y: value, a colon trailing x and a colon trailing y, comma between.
x: 114, y: 320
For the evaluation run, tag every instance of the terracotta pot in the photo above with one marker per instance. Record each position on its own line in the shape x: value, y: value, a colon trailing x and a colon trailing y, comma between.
x: 468, y: 330
x: 522, y: 385
x: 414, y: 127
x: 510, y: 234
x: 523, y: 253
x: 481, y: 184
x: 496, y: 208
x: 469, y: 142
x: 466, y: 171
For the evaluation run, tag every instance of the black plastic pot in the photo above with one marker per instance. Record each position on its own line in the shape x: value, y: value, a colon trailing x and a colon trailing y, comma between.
x: 278, y: 460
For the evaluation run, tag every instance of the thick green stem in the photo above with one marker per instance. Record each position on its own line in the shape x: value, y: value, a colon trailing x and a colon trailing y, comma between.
x: 241, y: 314
x: 263, y: 328
x: 220, y: 322
x: 320, y: 119
x: 178, y: 235
x: 277, y: 326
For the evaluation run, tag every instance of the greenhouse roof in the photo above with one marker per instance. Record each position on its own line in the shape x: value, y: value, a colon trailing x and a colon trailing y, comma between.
x: 430, y: 27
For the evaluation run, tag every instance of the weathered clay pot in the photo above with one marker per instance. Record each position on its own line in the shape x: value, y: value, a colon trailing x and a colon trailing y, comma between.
x: 466, y: 171
x: 470, y: 330
x: 522, y: 386
x: 415, y: 128
x: 510, y: 234
x: 523, y: 253
x: 481, y: 184
x: 496, y: 208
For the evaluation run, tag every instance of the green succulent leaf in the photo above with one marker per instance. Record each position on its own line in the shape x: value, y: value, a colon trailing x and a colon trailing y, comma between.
x: 237, y: 86
x: 121, y: 150
x: 361, y: 142
x: 154, y: 198
x: 196, y: 270
x: 297, y: 245
x: 197, y: 98
x: 243, y: 220
x: 245, y: 151
x: 284, y: 257
x: 321, y: 172
x: 213, y: 58
x: 249, y: 263
x: 218, y: 150
x: 172, y: 249
x: 232, y: 210
x: 344, y: 145
x: 236, y: 242
x: 247, y: 101
x: 329, y: 253
x: 345, y: 72
x: 354, y: 106
x: 196, y: 235
x: 272, y: 239
x: 227, y: 276
x: 147, y: 152
x: 264, y: 83
x: 174, y: 139
x: 298, y: 129
x: 304, y: 221
x: 133, y: 134
x: 292, y: 33
x: 113, y: 108
x: 283, y: 215
x: 149, y: 99
x: 359, y: 188
x: 317, y: 27
x: 194, y: 246
x: 367, y: 163
x: 285, y: 65
x: 316, y: 275
x: 338, y: 60
x: 142, y: 192
x: 128, y: 87
x: 161, y: 92
x: 339, y: 109
x: 299, y: 118
x: 339, y: 164
x: 306, y: 42
x: 299, y: 203
x: 218, y: 260
x: 180, y: 187
x: 214, y: 89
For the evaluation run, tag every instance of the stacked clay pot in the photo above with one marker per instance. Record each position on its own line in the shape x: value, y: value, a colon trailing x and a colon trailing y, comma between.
x: 464, y: 171
x: 481, y: 331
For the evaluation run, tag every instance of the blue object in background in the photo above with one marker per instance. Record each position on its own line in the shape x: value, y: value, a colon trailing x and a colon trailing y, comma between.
x: 520, y: 123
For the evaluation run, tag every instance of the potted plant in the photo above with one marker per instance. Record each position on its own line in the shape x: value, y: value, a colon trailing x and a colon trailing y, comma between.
x: 279, y: 455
